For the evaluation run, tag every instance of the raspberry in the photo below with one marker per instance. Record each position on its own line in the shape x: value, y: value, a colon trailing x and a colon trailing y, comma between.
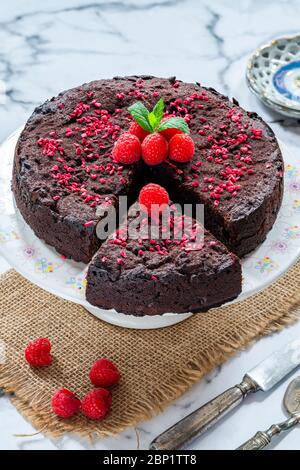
x: 169, y: 133
x: 138, y: 131
x: 65, y: 404
x: 104, y: 373
x: 96, y: 404
x: 181, y: 148
x: 37, y: 353
x: 154, y: 149
x: 153, y: 194
x: 127, y: 149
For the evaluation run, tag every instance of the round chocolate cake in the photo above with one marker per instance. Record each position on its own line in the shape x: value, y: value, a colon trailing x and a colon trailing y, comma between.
x: 64, y: 169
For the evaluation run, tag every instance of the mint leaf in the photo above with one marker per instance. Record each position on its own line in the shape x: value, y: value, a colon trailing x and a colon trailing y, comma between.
x: 152, y: 119
x: 140, y: 113
x: 158, y: 110
x: 174, y: 123
x: 156, y: 115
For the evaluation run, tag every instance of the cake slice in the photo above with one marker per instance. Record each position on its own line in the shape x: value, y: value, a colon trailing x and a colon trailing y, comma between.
x: 183, y: 269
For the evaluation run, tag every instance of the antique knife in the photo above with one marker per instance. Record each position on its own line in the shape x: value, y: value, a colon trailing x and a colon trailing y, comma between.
x: 263, y: 377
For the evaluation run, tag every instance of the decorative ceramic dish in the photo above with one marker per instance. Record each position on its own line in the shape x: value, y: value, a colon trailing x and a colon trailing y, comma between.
x: 273, y: 75
x: 43, y: 266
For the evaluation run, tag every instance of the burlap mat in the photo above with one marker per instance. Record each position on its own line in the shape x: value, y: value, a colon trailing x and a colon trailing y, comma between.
x: 157, y: 365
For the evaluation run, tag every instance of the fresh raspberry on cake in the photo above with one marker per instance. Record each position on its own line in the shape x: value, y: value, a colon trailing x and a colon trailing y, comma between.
x: 65, y: 404
x: 151, y: 196
x: 138, y: 131
x: 169, y: 133
x: 96, y: 404
x: 127, y: 149
x: 37, y: 353
x: 181, y: 148
x: 104, y: 373
x: 154, y: 149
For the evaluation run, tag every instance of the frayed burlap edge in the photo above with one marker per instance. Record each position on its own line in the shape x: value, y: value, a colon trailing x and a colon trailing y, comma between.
x: 223, y: 349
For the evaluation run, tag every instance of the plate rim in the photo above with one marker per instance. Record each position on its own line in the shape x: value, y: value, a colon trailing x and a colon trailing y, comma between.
x: 83, y: 302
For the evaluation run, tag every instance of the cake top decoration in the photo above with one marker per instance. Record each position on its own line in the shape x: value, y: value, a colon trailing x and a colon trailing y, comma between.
x: 154, y: 136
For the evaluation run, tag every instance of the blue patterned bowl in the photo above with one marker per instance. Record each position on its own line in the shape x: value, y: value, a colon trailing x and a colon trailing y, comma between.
x: 273, y: 75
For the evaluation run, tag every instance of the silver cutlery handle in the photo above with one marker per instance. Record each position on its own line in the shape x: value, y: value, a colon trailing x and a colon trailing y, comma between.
x: 257, y: 442
x: 202, y: 419
x: 263, y: 438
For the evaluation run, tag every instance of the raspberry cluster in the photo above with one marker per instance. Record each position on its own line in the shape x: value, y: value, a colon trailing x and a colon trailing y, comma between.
x: 64, y: 403
x: 154, y: 137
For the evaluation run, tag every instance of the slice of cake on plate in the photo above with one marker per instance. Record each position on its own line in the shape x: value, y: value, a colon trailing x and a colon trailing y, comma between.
x: 183, y: 269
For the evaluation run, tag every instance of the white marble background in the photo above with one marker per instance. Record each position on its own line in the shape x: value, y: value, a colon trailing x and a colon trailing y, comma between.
x: 50, y: 46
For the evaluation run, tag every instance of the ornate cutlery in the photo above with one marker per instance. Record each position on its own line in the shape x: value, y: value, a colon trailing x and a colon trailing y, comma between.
x: 292, y: 405
x: 263, y: 377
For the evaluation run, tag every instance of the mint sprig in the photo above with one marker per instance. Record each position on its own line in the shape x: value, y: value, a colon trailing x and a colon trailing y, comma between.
x: 140, y: 114
x: 174, y: 123
x: 158, y: 110
x: 151, y: 121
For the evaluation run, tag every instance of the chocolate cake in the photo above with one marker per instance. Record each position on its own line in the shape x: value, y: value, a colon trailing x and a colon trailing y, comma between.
x: 175, y: 274
x: 63, y: 168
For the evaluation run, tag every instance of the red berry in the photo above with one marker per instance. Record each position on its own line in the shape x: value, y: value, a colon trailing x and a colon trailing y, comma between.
x: 154, y: 149
x: 127, y: 149
x: 37, y: 353
x: 181, y: 148
x: 169, y: 133
x: 65, y: 404
x: 138, y: 131
x: 96, y: 404
x: 104, y: 373
x: 153, y: 194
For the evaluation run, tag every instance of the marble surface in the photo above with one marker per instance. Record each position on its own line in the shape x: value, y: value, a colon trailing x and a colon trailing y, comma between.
x: 50, y: 46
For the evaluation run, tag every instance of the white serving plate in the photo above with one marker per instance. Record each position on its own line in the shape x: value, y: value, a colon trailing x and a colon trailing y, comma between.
x: 43, y: 266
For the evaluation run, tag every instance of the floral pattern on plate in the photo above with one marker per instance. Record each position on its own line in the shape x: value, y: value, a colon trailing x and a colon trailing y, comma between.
x: 45, y: 267
x: 266, y: 265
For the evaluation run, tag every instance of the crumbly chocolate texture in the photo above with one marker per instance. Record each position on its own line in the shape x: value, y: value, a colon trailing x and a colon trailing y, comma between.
x: 137, y: 277
x: 241, y: 218
x: 63, y: 168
